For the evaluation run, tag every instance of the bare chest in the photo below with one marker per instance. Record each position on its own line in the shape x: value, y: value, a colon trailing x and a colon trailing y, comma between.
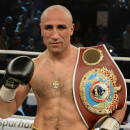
x: 48, y: 83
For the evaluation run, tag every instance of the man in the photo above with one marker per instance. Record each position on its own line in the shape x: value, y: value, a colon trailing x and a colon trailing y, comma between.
x: 76, y: 40
x: 52, y: 78
x: 104, y: 41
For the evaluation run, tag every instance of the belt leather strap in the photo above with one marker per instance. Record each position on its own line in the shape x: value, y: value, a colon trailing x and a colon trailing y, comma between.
x: 93, y: 62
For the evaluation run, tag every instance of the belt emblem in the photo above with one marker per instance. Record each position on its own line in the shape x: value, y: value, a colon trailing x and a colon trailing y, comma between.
x: 98, y: 91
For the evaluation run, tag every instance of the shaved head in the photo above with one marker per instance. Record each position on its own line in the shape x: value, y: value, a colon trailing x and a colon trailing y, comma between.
x: 57, y: 8
x: 57, y: 28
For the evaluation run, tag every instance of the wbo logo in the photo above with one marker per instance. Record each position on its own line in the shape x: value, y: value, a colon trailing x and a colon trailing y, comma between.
x: 98, y: 91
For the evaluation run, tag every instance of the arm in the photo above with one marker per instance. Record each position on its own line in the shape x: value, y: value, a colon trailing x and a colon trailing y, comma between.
x: 7, y: 109
x: 113, y: 122
x: 119, y: 114
x: 19, y: 71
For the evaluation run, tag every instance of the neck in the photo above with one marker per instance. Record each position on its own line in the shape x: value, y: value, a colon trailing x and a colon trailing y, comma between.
x: 60, y: 56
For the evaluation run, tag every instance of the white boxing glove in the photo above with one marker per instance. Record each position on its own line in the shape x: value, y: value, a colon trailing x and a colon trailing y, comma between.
x: 110, y: 123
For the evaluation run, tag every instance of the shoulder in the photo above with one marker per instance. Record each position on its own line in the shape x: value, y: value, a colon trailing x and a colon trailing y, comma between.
x: 81, y: 45
x: 74, y: 52
x: 74, y: 48
x: 39, y: 59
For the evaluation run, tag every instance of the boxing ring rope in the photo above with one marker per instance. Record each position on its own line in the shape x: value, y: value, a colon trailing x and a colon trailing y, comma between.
x: 38, y: 53
x: 23, y: 117
x: 19, y: 52
x: 32, y: 94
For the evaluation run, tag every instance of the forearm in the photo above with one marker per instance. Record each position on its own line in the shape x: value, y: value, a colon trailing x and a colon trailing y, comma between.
x: 7, y: 109
x: 7, y: 102
x: 19, y: 71
x: 119, y: 114
x: 113, y: 122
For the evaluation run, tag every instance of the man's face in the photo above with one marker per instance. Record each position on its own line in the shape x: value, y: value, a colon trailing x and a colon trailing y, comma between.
x: 9, y: 20
x: 3, y: 40
x: 56, y: 28
x: 18, y: 40
x: 77, y: 39
x: 3, y: 31
x: 77, y: 24
x: 104, y: 38
x: 15, y: 34
x: 101, y: 28
x: 31, y: 42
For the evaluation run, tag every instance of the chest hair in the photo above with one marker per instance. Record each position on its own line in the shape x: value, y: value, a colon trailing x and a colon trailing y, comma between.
x: 42, y: 84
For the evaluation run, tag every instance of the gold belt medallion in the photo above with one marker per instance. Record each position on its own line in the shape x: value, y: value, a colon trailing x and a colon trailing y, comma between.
x: 98, y: 91
x: 92, y: 56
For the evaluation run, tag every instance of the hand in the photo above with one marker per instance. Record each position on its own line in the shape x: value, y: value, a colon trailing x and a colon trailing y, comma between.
x: 19, y: 71
x: 110, y: 123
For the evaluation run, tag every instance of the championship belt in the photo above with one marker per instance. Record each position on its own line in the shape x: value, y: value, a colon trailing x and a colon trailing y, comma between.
x: 98, y: 85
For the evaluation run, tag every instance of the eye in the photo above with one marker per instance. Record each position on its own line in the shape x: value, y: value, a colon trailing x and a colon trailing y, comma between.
x: 62, y: 27
x: 48, y: 27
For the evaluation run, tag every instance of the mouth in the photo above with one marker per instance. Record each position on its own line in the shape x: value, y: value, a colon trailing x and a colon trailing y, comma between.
x: 55, y: 43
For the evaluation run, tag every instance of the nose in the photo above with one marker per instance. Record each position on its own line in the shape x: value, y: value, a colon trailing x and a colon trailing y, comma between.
x: 55, y: 34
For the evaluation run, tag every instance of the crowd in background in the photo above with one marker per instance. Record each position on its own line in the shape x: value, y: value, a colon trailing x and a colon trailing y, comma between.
x: 20, y: 30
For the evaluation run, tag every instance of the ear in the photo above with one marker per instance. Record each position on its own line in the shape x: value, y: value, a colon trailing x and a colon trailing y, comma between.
x: 72, y: 29
x: 40, y: 27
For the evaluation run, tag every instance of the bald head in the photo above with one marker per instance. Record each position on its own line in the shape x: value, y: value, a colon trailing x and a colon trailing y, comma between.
x: 57, y: 28
x: 57, y: 8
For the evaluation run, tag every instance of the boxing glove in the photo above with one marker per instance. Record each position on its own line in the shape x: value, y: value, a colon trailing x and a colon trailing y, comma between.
x: 19, y: 71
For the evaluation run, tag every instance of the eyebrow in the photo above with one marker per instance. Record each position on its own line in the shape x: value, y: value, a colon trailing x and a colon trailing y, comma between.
x: 62, y: 25
x: 59, y: 25
x: 48, y: 25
